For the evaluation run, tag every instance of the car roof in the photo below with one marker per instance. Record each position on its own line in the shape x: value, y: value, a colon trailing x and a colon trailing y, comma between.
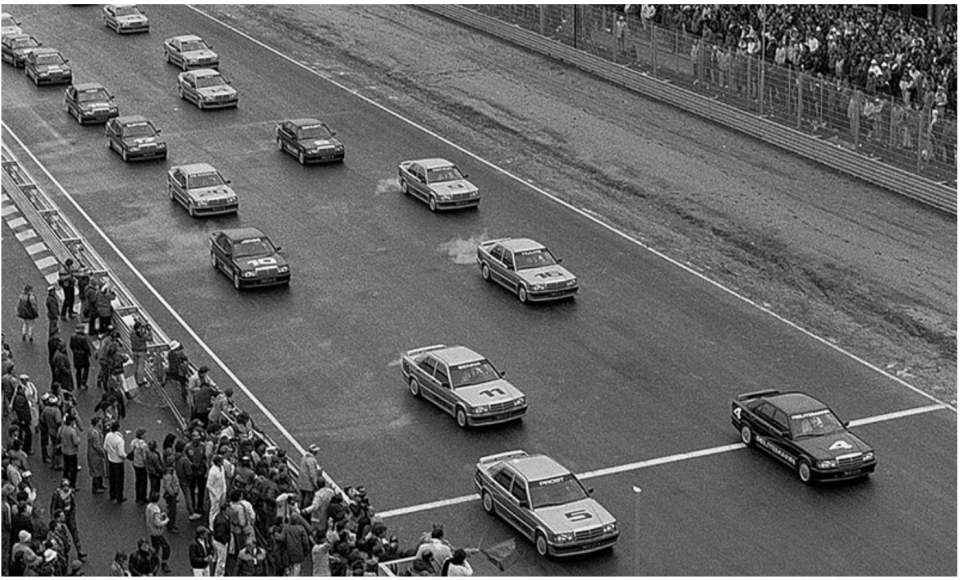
x: 537, y: 467
x: 183, y: 37
x: 456, y: 355
x: 88, y: 86
x: 194, y: 168
x: 45, y: 50
x: 521, y: 244
x: 303, y: 122
x: 433, y: 163
x: 243, y: 233
x: 793, y: 403
x: 127, y: 119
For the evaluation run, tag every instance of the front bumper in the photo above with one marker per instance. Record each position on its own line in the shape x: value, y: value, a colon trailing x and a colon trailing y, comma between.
x: 862, y: 470
x: 216, y: 209
x: 265, y: 281
x: 220, y: 104
x: 547, y: 295
x: 498, y: 417
x: 325, y: 157
x: 458, y: 203
x: 134, y: 28
x: 145, y: 154
x: 574, y: 548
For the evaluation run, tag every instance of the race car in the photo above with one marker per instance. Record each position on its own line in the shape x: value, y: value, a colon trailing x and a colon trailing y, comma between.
x: 9, y: 24
x: 125, y: 18
x: 190, y: 51
x: 803, y: 433
x: 90, y: 103
x: 437, y: 182
x: 309, y: 140
x: 544, y: 502
x: 207, y: 89
x: 46, y: 66
x: 134, y: 137
x: 248, y: 257
x: 526, y: 267
x: 462, y: 383
x: 15, y: 48
x: 201, y: 189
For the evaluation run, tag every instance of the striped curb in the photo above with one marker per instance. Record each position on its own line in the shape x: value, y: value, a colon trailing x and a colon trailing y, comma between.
x: 28, y: 237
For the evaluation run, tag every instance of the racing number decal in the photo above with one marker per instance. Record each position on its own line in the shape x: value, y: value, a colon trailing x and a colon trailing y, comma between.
x: 736, y: 412
x: 492, y: 392
x: 841, y: 444
x: 577, y: 515
x: 263, y: 262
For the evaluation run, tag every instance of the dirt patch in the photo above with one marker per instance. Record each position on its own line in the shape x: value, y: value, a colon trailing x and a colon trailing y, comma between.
x: 869, y: 271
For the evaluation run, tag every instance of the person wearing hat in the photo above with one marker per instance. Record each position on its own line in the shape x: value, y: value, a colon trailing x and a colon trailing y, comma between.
x: 25, y: 411
x: 144, y: 562
x: 62, y: 372
x: 88, y: 304
x: 53, y: 309
x: 67, y: 280
x: 22, y: 556
x: 119, y: 565
x: 139, y: 339
x: 178, y: 367
x: 50, y: 419
x: 310, y: 475
x: 28, y: 310
x: 82, y: 350
x: 201, y: 391
x: 104, y: 307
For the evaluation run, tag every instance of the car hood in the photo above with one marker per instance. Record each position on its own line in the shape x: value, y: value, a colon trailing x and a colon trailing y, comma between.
x: 450, y: 187
x: 214, y: 192
x: 203, y: 53
x: 319, y: 143
x: 832, y: 446
x: 546, y: 274
x: 142, y: 140
x: 555, y: 516
x: 498, y: 391
x: 257, y: 262
x: 216, y: 91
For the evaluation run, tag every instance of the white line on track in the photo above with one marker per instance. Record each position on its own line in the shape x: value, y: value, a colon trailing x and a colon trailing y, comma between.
x: 658, y: 461
x: 583, y: 212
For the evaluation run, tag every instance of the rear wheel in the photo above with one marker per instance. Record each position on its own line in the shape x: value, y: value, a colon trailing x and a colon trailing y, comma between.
x: 541, y: 543
x: 414, y: 387
x: 803, y: 470
x: 746, y: 435
x: 461, y: 417
x: 486, y: 500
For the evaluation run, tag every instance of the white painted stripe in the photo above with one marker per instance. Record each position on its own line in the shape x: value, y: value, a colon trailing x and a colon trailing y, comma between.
x: 16, y: 222
x: 53, y: 277
x: 26, y: 235
x: 8, y: 209
x: 4, y: 198
x: 46, y: 262
x: 660, y: 461
x: 34, y: 248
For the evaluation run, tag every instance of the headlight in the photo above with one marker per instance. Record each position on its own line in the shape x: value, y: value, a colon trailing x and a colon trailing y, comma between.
x: 283, y: 269
x: 563, y: 538
x: 161, y: 145
x: 572, y: 282
x: 481, y: 409
x: 827, y: 464
x: 339, y: 148
x: 474, y: 193
x: 201, y: 203
x: 113, y: 110
x: 611, y: 527
x: 249, y: 274
x: 313, y: 151
x: 86, y: 113
x: 537, y: 287
x: 232, y: 199
x: 44, y: 74
x: 519, y: 402
x: 868, y: 456
x: 444, y: 196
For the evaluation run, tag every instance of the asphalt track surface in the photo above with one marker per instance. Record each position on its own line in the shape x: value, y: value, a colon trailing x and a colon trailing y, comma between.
x: 641, y: 366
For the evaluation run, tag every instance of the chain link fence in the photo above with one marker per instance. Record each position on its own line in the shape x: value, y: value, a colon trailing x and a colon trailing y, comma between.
x: 914, y: 138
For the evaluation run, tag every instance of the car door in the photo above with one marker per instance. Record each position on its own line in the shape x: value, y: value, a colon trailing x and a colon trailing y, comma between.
x: 769, y: 430
x: 495, y: 263
x: 190, y: 88
x: 424, y: 375
x: 173, y: 50
x: 223, y: 250
x: 516, y: 506
x: 110, y: 16
x: 7, y: 50
x: 70, y: 98
x: 446, y: 398
x: 288, y: 139
x: 419, y: 177
x: 178, y: 186
x: 510, y: 278
x: 111, y: 131
x: 500, y: 492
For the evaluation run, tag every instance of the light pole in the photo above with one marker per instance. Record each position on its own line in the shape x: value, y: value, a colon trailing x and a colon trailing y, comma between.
x: 636, y: 530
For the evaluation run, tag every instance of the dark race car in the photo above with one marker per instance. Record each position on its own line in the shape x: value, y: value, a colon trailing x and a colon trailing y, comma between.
x: 16, y: 47
x: 90, y: 103
x: 46, y: 66
x: 803, y: 433
x: 310, y: 141
x: 248, y: 257
x: 134, y: 137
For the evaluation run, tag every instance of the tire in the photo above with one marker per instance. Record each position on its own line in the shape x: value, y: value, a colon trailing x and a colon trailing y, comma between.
x: 279, y: 144
x: 433, y: 203
x: 485, y: 273
x: 746, y: 435
x: 301, y: 158
x: 404, y: 188
x: 199, y: 103
x: 236, y: 280
x: 123, y: 155
x: 183, y: 65
x: 803, y: 471
x: 180, y: 90
x: 462, y: 418
x: 522, y: 293
x: 541, y: 544
x: 414, y: 387
x: 166, y: 56
x: 486, y: 500
x: 36, y: 80
x: 191, y: 211
x: 213, y: 261
x: 170, y: 192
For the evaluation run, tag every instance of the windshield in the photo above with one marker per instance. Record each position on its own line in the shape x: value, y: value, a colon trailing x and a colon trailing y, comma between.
x: 534, y: 259
x: 556, y: 491
x: 443, y: 174
x: 210, y: 81
x: 49, y: 59
x: 25, y: 42
x: 310, y: 132
x: 139, y: 130
x: 128, y: 11
x: 253, y: 247
x: 473, y: 373
x: 97, y: 96
x: 205, y: 180
x: 815, y: 424
x: 192, y: 45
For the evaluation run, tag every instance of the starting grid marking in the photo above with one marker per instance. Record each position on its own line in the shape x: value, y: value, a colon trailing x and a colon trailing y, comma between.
x: 38, y: 251
x: 658, y: 461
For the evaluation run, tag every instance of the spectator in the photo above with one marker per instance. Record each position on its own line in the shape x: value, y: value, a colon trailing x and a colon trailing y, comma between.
x: 144, y: 562
x: 66, y: 279
x: 23, y: 412
x: 319, y: 504
x: 221, y: 404
x: 295, y: 546
x: 178, y: 367
x: 320, y: 553
x: 154, y: 467
x: 310, y: 475
x: 82, y: 350
x: 252, y: 560
x: 62, y: 373
x: 69, y: 441
x: 113, y: 444
x: 138, y: 455
x: 201, y: 553
x: 119, y: 565
x: 157, y: 522
x: 424, y: 564
x: 436, y: 545
x: 104, y: 307
x: 50, y: 420
x: 139, y: 340
x: 216, y: 486
x: 28, y: 310
x: 220, y: 539
x: 53, y: 309
x: 242, y: 519
x: 170, y: 490
x: 457, y: 565
x: 96, y: 455
x: 198, y: 460
x: 201, y: 392
x: 23, y: 558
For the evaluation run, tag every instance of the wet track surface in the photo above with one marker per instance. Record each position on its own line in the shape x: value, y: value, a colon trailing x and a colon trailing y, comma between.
x: 642, y: 365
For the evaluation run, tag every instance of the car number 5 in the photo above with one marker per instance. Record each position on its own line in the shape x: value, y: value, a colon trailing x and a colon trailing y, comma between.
x: 577, y: 515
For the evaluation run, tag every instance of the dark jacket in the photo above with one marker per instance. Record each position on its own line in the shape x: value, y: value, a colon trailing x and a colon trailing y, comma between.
x: 53, y: 306
x: 104, y: 302
x: 221, y: 528
x: 199, y: 550
x: 61, y: 369
x: 154, y: 464
x: 144, y: 563
x: 296, y: 544
x: 82, y: 350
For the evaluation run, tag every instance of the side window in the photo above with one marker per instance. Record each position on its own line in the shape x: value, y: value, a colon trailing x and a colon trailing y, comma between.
x: 504, y: 478
x: 519, y: 489
x: 428, y: 365
x: 441, y: 375
x: 497, y: 252
x: 780, y: 420
x: 764, y: 411
x: 508, y: 258
x: 225, y: 244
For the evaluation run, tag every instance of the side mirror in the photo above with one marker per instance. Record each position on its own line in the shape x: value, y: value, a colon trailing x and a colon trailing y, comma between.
x: 278, y: 248
x: 846, y: 423
x: 159, y: 131
x: 589, y: 491
x: 465, y: 176
x: 228, y: 182
x: 66, y: 60
x: 503, y: 374
x: 333, y: 133
x: 559, y: 260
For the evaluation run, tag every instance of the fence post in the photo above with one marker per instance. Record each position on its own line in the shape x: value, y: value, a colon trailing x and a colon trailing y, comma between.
x: 543, y: 19
x: 653, y: 47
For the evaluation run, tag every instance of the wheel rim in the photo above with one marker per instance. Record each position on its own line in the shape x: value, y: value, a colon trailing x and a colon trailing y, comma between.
x: 541, y: 545
x: 485, y: 272
x: 746, y: 435
x: 213, y: 260
x: 433, y: 204
x: 804, y: 471
x: 414, y: 388
x: 487, y: 503
x: 279, y: 144
x: 461, y: 417
x: 522, y: 294
x: 301, y: 157
x: 403, y: 187
x: 236, y: 280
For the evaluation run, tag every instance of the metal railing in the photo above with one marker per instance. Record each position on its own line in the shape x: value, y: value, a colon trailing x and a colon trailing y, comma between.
x: 899, y: 151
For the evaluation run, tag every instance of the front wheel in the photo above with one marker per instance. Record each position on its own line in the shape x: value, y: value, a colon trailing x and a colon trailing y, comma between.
x: 301, y: 158
x: 522, y: 293
x: 124, y: 155
x: 541, y: 543
x: 803, y: 470
x: 279, y: 144
x: 746, y: 435
x: 485, y: 272
x: 213, y: 261
x: 433, y: 203
x: 404, y: 188
x: 414, y: 387
x: 180, y: 90
x: 486, y: 500
x: 461, y: 417
x: 236, y: 280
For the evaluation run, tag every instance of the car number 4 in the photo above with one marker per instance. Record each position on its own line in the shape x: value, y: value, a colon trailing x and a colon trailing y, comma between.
x: 737, y: 411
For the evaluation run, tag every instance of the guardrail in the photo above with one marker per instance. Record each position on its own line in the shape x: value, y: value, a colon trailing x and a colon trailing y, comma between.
x: 831, y: 155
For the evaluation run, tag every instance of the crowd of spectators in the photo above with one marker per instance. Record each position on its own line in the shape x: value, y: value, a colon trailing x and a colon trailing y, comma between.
x: 250, y: 513
x: 876, y: 50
